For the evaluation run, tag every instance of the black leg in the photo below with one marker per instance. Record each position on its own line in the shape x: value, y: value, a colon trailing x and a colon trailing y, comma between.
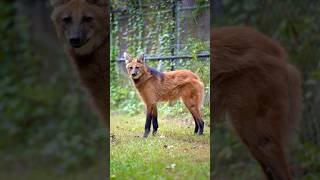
x: 147, y: 125
x: 269, y: 174
x: 155, y: 125
x: 196, y: 128
x: 155, y: 121
x: 201, y: 126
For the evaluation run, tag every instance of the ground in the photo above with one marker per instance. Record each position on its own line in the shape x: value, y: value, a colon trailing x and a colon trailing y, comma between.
x: 174, y: 153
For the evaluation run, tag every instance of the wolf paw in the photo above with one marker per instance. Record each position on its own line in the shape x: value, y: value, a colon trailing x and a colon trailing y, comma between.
x: 146, y: 133
x: 154, y: 133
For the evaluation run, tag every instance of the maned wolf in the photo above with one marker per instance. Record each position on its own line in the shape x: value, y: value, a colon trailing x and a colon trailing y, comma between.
x: 83, y: 27
x: 259, y: 92
x: 154, y: 86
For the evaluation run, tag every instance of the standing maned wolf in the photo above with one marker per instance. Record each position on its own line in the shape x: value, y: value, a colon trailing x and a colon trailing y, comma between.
x: 258, y: 90
x: 83, y: 27
x: 154, y: 86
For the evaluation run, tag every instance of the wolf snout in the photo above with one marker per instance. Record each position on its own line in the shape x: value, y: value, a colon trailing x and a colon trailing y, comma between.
x: 76, y: 42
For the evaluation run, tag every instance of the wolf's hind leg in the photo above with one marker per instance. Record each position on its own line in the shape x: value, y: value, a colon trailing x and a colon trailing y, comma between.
x: 155, y: 120
x: 195, y: 112
x: 147, y: 125
x: 196, y: 128
x: 265, y: 145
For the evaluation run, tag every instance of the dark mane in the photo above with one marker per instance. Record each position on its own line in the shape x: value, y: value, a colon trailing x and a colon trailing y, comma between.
x: 155, y: 72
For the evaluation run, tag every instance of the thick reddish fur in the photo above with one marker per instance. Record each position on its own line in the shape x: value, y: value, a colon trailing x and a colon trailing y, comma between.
x: 169, y: 86
x: 258, y: 90
x: 174, y: 85
x: 90, y: 61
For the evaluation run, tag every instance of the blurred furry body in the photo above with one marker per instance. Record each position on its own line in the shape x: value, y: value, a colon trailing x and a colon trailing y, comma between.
x: 259, y: 91
x: 83, y: 28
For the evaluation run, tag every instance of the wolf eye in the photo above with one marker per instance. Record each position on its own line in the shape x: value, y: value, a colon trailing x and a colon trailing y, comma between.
x: 67, y: 19
x: 87, y: 19
x: 137, y: 67
x: 130, y: 67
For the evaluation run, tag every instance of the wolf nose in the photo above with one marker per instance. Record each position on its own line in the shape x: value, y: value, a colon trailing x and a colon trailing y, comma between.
x: 75, y: 42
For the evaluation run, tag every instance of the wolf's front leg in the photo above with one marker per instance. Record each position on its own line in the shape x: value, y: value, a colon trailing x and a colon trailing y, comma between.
x: 151, y: 116
x: 154, y: 120
x: 147, y: 125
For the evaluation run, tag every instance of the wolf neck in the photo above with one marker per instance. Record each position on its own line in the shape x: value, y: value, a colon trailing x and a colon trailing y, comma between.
x: 142, y: 80
x: 151, y: 73
x: 92, y: 70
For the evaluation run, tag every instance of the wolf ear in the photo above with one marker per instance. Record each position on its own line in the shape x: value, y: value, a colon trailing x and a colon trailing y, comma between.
x: 56, y: 3
x: 127, y: 57
x: 141, y: 58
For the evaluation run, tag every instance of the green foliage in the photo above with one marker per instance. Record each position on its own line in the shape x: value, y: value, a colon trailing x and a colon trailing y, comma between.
x: 309, y: 159
x: 201, y: 6
x: 42, y: 116
x: 48, y: 173
x: 151, y: 29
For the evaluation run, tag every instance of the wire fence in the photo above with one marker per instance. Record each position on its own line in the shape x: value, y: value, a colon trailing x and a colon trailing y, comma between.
x: 191, y: 20
x: 173, y: 34
x: 173, y: 59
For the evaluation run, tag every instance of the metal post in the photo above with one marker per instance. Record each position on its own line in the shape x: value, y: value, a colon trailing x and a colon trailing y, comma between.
x: 173, y: 32
x: 178, y: 25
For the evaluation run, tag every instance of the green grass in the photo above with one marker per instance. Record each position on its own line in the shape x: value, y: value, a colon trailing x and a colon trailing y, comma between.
x: 174, y: 153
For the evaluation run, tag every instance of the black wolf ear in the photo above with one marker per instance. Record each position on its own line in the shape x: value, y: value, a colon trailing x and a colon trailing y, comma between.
x: 141, y: 58
x: 56, y: 3
x: 127, y: 57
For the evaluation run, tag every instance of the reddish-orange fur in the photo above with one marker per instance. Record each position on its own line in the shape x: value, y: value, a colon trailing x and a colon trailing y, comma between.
x: 258, y: 90
x: 86, y: 20
x: 155, y: 86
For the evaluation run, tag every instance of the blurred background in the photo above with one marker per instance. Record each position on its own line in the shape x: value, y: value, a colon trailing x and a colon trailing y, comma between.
x: 296, y: 26
x: 48, y: 129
